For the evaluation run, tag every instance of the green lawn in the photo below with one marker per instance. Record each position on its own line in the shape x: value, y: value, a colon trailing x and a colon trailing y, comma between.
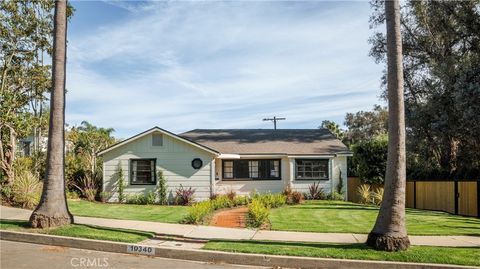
x: 82, y: 231
x: 169, y: 214
x: 343, y: 217
x: 447, y: 255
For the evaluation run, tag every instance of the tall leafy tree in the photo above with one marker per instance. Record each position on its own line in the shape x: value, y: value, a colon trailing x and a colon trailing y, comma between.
x: 25, y: 78
x: 333, y: 127
x: 389, y: 232
x: 441, y: 41
x: 87, y: 141
x: 25, y: 37
x: 53, y: 209
x: 366, y: 125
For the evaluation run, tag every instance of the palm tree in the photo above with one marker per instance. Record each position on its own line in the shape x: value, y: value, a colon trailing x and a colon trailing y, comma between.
x: 53, y: 210
x: 389, y: 232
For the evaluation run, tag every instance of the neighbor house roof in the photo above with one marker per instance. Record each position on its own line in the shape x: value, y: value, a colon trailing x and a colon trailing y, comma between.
x: 268, y: 141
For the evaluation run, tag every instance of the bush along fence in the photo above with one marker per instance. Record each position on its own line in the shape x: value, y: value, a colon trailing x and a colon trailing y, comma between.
x: 460, y: 197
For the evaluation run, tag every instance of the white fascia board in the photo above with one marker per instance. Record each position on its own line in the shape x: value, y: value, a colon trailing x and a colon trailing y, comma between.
x: 260, y: 156
x: 228, y: 156
x: 311, y: 156
x: 346, y: 154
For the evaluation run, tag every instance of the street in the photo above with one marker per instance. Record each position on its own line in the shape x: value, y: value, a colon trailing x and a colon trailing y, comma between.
x: 16, y: 255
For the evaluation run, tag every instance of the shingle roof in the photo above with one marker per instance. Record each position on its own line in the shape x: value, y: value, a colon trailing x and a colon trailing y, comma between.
x: 268, y: 141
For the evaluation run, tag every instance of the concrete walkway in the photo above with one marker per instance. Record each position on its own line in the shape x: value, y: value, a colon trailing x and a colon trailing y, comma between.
x: 209, y: 232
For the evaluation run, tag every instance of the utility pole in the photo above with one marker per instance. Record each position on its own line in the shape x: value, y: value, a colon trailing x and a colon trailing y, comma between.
x: 274, y: 119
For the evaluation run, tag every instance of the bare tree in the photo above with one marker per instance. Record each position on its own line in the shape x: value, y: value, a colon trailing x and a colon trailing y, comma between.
x: 389, y: 232
x: 53, y: 209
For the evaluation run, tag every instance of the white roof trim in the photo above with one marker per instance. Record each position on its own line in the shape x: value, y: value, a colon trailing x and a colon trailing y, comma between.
x: 345, y: 154
x: 153, y: 130
x: 229, y: 156
x: 311, y: 156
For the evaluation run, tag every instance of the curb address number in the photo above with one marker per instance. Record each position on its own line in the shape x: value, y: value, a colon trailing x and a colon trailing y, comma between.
x: 140, y: 250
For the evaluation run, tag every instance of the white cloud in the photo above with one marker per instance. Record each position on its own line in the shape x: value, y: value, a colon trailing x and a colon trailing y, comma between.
x: 184, y: 65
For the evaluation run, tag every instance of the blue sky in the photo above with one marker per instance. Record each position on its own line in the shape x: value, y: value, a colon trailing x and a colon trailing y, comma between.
x: 186, y: 65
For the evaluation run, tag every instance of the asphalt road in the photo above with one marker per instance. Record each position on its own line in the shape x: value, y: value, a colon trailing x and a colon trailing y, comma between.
x: 16, y: 255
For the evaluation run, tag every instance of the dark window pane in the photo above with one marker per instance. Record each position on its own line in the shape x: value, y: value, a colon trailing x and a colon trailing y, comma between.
x: 241, y: 169
x: 227, y: 169
x: 311, y: 169
x: 143, y: 171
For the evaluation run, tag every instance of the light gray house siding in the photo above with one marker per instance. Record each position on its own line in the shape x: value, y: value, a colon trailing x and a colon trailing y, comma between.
x: 174, y: 158
x: 337, y: 167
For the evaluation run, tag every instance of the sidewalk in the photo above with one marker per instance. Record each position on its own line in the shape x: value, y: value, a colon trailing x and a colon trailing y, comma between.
x: 209, y: 232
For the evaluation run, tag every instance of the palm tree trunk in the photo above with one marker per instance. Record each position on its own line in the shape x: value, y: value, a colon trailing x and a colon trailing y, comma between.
x: 389, y: 232
x: 53, y: 210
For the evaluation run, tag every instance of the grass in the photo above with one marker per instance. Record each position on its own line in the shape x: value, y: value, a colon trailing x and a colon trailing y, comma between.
x: 169, y: 214
x: 421, y: 254
x: 82, y: 231
x: 345, y: 217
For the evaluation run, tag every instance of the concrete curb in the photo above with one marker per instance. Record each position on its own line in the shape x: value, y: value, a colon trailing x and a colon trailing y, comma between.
x: 216, y: 256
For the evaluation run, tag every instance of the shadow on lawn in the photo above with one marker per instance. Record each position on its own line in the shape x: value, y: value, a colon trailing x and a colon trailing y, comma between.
x: 18, y: 223
x: 24, y: 224
x: 319, y: 207
x: 296, y: 244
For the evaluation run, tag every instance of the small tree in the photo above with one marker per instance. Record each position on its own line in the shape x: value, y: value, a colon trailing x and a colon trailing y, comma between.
x: 121, y: 184
x: 340, y: 189
x: 370, y: 160
x: 162, y: 188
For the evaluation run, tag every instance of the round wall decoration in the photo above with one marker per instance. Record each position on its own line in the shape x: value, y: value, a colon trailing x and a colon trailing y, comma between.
x: 197, y: 163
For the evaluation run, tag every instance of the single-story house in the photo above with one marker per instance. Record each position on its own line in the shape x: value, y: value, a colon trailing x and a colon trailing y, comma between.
x: 216, y: 161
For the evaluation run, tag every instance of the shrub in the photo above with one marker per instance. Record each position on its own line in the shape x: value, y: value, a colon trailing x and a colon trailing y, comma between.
x: 162, y: 188
x: 222, y: 201
x: 271, y: 200
x: 141, y: 199
x: 198, y: 212
x: 150, y: 198
x: 336, y: 196
x: 296, y: 198
x: 88, y: 187
x: 214, y: 196
x: 339, y: 186
x: 26, y: 190
x: 241, y: 200
x: 364, y: 193
x: 257, y: 213
x: 293, y: 197
x: 72, y: 195
x: 377, y: 196
x: 184, y: 196
x: 6, y: 193
x: 134, y: 198
x: 315, y: 192
x: 105, y: 196
x: 231, y: 194
x: 120, y: 184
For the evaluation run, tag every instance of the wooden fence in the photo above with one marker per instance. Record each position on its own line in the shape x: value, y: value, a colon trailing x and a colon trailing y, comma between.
x: 459, y: 197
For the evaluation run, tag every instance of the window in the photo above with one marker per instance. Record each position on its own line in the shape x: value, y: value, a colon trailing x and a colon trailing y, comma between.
x: 251, y: 169
x: 157, y: 140
x: 312, y: 169
x: 227, y: 169
x: 142, y: 172
x: 26, y: 148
